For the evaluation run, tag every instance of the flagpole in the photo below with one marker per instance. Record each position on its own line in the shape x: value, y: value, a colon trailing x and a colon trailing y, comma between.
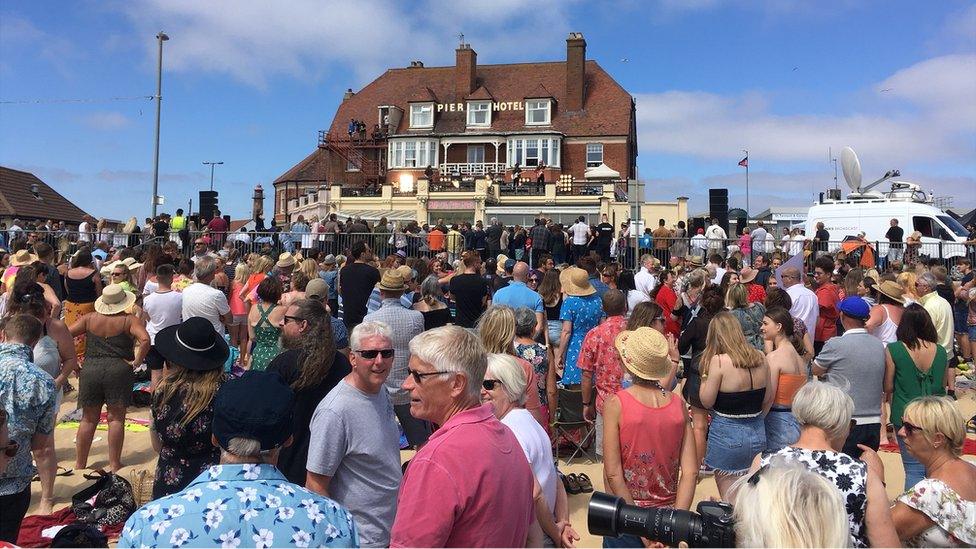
x: 747, y: 184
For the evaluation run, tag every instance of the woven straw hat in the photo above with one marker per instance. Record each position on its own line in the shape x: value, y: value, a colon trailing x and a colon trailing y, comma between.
x: 644, y: 352
x: 285, y: 260
x: 747, y: 274
x: 114, y: 300
x: 891, y: 289
x: 392, y: 281
x: 576, y: 282
x: 22, y: 257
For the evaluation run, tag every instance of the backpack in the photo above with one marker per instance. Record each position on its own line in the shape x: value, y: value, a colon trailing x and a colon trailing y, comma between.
x: 108, y: 502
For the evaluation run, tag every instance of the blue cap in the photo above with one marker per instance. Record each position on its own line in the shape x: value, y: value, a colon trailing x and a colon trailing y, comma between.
x: 855, y: 307
x: 257, y: 405
x: 509, y: 264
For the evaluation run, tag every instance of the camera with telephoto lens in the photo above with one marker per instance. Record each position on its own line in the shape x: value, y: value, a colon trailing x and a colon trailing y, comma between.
x: 711, y: 526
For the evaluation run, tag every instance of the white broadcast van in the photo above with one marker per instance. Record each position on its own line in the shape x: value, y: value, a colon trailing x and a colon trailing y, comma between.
x: 872, y: 211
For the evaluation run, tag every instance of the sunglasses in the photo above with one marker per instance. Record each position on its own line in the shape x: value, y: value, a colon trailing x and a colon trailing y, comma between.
x: 489, y: 384
x: 118, y: 274
x: 371, y: 353
x: 10, y: 450
x: 418, y: 377
x: 293, y: 319
x: 910, y: 428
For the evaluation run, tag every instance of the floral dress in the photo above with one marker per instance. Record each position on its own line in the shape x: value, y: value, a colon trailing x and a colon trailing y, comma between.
x: 849, y: 475
x: 187, y: 450
x: 585, y: 312
x: 536, y: 355
x: 954, y: 517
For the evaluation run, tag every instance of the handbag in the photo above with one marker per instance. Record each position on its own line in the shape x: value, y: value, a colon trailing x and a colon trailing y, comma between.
x: 107, y: 502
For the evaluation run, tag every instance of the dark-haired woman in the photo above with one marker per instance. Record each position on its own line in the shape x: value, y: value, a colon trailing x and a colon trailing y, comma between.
x: 787, y: 373
x: 665, y: 296
x: 182, y: 406
x: 312, y: 367
x: 262, y: 324
x: 691, y: 344
x: 82, y: 287
x: 915, y: 366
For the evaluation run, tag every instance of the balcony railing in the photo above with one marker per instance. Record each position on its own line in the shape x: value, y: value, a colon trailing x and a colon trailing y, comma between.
x: 525, y: 187
x: 579, y: 189
x: 474, y: 168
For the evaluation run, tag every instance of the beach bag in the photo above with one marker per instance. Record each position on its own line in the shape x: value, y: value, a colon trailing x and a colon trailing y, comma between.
x: 109, y: 501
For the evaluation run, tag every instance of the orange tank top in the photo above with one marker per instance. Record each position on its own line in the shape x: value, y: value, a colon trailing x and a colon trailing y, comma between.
x: 787, y: 387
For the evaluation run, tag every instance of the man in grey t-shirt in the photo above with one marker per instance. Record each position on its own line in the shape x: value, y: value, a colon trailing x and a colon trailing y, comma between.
x: 354, y: 451
x: 857, y: 359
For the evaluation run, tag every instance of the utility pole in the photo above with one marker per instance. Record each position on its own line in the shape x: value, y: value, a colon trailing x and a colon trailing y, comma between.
x: 212, y: 165
x: 161, y: 37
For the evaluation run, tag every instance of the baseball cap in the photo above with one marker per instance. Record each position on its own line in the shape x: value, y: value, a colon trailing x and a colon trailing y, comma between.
x: 509, y: 264
x: 329, y: 260
x: 855, y: 307
x: 257, y: 405
x: 316, y: 289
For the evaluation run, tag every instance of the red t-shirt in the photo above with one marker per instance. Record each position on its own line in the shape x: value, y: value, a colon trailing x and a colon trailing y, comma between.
x: 828, y: 297
x: 469, y: 486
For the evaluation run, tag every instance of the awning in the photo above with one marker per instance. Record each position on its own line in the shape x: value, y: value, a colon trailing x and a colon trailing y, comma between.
x: 375, y: 215
x: 601, y: 172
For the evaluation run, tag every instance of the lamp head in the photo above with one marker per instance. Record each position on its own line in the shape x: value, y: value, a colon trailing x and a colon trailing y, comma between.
x: 162, y: 36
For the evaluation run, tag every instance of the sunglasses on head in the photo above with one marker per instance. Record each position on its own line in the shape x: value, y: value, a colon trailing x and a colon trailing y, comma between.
x: 10, y: 450
x: 371, y: 353
x: 489, y: 384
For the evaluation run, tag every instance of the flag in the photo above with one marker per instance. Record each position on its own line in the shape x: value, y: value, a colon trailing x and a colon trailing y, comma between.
x: 795, y: 261
x: 744, y: 162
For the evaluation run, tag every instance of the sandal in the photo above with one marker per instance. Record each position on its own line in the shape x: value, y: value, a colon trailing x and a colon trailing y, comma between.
x: 585, y: 484
x: 571, y: 482
x: 62, y: 472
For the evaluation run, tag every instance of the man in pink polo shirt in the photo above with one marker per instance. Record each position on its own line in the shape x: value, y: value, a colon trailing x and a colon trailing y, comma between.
x: 470, y: 485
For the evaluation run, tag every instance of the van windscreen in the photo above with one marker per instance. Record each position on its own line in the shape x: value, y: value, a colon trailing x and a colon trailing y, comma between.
x: 954, y: 226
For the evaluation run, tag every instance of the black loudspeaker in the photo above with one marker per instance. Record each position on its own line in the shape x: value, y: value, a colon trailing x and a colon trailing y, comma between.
x: 208, y: 203
x: 718, y: 206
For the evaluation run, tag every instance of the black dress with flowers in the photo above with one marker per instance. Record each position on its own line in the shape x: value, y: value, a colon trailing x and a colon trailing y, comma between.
x: 186, y: 450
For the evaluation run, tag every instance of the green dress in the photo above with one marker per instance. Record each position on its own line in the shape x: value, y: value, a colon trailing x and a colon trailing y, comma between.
x: 910, y: 382
x: 265, y: 340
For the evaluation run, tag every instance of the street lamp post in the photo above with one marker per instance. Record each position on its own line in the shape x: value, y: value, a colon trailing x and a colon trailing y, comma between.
x: 161, y: 37
x: 212, y: 164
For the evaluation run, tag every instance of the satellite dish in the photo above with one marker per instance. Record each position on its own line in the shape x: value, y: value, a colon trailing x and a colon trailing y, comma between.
x: 852, y: 168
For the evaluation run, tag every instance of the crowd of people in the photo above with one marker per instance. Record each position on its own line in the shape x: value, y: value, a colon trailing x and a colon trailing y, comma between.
x: 285, y: 380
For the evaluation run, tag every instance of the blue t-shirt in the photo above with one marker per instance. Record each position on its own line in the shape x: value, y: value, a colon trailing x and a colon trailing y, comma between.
x: 516, y: 295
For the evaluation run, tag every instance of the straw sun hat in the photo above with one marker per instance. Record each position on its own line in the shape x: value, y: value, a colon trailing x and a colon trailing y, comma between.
x: 22, y: 257
x: 114, y: 300
x: 576, y: 282
x: 891, y: 289
x: 285, y: 260
x: 644, y: 352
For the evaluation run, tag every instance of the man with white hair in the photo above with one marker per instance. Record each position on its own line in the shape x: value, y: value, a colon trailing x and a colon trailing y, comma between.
x: 244, y: 500
x: 644, y: 280
x: 493, y: 237
x: 354, y: 454
x: 200, y: 299
x: 805, y: 304
x: 471, y: 485
x: 941, y: 312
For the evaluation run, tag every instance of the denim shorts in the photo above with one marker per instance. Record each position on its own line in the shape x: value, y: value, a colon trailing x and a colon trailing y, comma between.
x: 734, y: 442
x: 782, y: 429
x: 972, y: 333
x: 959, y: 319
x: 555, y: 329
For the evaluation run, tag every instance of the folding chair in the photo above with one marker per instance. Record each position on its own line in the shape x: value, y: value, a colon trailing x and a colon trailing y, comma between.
x: 569, y: 422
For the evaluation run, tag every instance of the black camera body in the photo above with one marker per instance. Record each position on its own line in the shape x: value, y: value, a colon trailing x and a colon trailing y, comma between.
x: 711, y: 527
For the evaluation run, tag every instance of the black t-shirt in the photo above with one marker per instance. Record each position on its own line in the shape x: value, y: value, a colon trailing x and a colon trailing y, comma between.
x: 160, y: 228
x: 356, y: 282
x: 468, y: 291
x: 493, y: 236
x: 604, y: 234
x: 292, y: 459
x: 895, y: 235
x: 822, y: 237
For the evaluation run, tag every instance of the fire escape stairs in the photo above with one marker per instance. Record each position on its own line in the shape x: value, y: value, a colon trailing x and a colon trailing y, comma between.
x: 353, y: 152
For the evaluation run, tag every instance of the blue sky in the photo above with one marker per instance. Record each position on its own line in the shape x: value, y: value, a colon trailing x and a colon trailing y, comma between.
x: 250, y: 84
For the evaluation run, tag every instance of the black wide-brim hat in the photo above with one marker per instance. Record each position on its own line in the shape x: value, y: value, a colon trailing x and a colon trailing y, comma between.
x: 193, y: 344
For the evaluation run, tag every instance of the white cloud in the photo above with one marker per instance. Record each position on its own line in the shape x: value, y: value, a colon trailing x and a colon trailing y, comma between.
x: 18, y: 34
x: 106, y: 121
x: 255, y: 42
x: 927, y: 114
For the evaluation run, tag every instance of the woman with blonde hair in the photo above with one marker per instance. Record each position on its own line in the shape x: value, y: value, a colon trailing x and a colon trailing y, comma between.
x: 735, y: 377
x: 239, y: 310
x: 907, y: 280
x: 783, y: 506
x: 182, y: 406
x: 940, y: 510
x: 496, y: 327
x: 310, y: 267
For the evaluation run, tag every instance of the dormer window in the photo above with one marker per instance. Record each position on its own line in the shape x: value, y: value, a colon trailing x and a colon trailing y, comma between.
x: 422, y: 115
x: 538, y: 112
x: 479, y: 114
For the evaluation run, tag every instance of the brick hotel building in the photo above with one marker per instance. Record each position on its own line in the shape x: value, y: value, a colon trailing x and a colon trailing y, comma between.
x: 472, y: 125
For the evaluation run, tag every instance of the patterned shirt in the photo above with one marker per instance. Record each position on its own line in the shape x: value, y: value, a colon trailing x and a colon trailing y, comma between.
x: 404, y: 323
x: 249, y: 505
x: 27, y: 394
x: 599, y: 354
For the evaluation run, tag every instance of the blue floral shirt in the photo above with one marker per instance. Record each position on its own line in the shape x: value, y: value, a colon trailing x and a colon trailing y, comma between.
x: 585, y: 312
x: 27, y: 393
x: 248, y: 505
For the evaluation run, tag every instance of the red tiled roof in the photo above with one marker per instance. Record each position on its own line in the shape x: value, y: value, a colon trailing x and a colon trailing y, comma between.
x: 606, y: 109
x: 16, y: 199
x: 540, y: 92
x: 313, y: 168
x: 482, y: 93
x: 421, y: 95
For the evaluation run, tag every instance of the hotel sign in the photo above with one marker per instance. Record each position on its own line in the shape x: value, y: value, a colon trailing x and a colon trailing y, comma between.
x: 451, y: 205
x: 495, y: 106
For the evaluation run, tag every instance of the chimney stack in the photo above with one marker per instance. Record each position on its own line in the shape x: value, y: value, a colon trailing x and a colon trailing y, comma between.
x: 349, y: 93
x: 575, y: 71
x: 465, y: 72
